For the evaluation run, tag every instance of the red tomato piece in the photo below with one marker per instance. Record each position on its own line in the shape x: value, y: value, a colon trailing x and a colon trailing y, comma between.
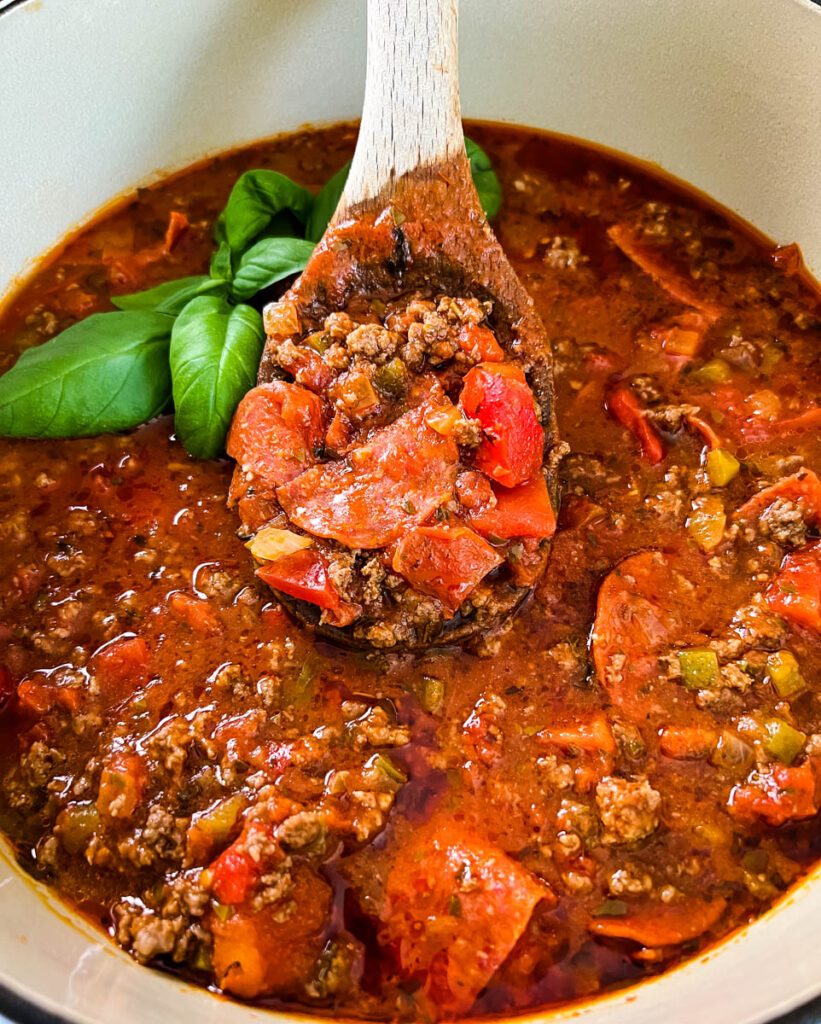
x: 380, y: 489
x: 499, y: 397
x: 121, y: 667
x: 194, y: 612
x: 447, y: 562
x: 654, y: 263
x: 523, y: 511
x: 684, y: 742
x: 308, y: 367
x: 662, y: 924
x: 304, y: 575
x: 593, y: 735
x: 277, y: 430
x: 480, y: 344
x: 795, y: 593
x: 455, y: 907
x: 776, y: 794
x: 683, y: 338
x: 122, y: 785
x: 236, y: 871
x: 628, y: 410
x: 802, y: 488
x: 263, y: 953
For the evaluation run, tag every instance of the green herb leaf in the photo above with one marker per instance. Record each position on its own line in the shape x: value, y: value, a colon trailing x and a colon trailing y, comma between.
x: 215, y: 350
x: 326, y: 203
x: 169, y: 297
x: 107, y: 373
x: 221, y: 268
x: 484, y: 178
x: 256, y: 198
x: 611, y: 908
x: 267, y: 262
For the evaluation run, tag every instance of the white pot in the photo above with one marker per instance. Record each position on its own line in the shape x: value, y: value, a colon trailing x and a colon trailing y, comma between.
x: 101, y: 95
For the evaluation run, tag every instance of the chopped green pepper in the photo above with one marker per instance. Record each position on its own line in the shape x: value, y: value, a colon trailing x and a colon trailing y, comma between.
x: 707, y: 521
x: 713, y: 372
x: 76, y: 825
x: 783, y: 741
x: 432, y: 697
x: 218, y: 822
x: 732, y: 752
x: 392, y: 378
x: 699, y: 668
x: 387, y: 767
x: 722, y: 467
x: 223, y: 910
x: 784, y: 673
x: 611, y: 908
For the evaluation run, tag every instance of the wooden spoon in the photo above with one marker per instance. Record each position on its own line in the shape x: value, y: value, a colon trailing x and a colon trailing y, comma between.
x: 410, y: 217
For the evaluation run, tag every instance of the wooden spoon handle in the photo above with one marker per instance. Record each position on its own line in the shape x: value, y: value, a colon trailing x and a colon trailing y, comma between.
x: 410, y: 116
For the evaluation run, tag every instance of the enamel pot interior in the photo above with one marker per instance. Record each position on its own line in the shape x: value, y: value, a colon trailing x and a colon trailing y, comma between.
x: 104, y: 95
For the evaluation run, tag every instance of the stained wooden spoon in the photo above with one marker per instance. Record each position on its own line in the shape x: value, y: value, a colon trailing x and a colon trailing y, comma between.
x: 410, y: 219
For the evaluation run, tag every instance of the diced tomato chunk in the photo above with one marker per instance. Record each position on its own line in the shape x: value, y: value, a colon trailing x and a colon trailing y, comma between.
x: 309, y: 368
x: 121, y: 667
x: 304, y: 575
x: 523, y: 511
x: 447, y: 562
x: 277, y: 430
x: 480, y: 344
x: 122, y: 784
x: 593, y: 735
x: 194, y: 612
x: 684, y: 336
x: 776, y: 794
x: 455, y: 907
x: 236, y: 871
x: 381, y: 488
x: 687, y: 741
x: 628, y: 410
x: 662, y: 924
x: 499, y: 397
x: 656, y: 264
x: 795, y: 593
x: 269, y: 952
x: 802, y: 488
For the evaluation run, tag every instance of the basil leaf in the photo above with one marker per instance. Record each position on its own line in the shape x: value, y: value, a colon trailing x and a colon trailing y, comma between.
x: 325, y: 203
x: 484, y: 178
x: 215, y: 351
x: 267, y: 262
x: 169, y: 297
x: 221, y: 268
x: 106, y: 373
x: 255, y: 199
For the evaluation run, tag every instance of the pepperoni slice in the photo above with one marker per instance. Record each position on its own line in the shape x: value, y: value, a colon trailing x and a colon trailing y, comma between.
x: 453, y: 937
x: 381, y: 489
x: 662, y: 925
x: 277, y: 430
x: 644, y: 605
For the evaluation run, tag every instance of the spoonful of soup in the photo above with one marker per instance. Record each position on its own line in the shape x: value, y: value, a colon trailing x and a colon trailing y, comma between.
x: 396, y: 461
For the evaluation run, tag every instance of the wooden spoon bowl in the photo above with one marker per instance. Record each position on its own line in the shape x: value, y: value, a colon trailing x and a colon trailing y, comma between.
x: 410, y: 220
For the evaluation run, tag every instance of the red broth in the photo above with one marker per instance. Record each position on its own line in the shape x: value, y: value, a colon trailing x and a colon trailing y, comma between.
x: 623, y: 778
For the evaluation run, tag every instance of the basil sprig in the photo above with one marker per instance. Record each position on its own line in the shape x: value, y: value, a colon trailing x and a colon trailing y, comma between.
x: 106, y: 373
x: 215, y: 351
x: 195, y: 338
